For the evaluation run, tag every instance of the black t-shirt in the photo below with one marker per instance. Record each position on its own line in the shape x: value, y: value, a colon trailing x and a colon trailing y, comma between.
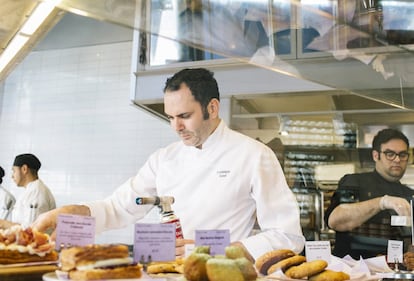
x: 371, y: 238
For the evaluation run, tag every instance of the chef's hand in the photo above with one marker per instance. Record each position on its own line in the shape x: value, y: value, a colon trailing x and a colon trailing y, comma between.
x: 180, y: 247
x: 46, y: 222
x: 399, y: 205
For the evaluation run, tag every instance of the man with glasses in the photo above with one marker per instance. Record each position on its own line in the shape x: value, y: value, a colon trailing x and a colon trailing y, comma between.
x: 361, y: 208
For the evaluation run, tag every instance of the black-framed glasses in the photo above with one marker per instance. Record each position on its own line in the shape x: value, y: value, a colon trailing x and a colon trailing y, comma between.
x: 391, y: 155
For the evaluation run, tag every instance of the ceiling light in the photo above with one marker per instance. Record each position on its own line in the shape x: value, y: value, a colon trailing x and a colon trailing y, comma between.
x: 12, y: 49
x: 41, y: 12
x: 22, y: 38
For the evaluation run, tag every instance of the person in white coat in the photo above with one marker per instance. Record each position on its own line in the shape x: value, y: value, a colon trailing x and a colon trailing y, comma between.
x: 7, y: 200
x: 220, y: 179
x: 36, y: 198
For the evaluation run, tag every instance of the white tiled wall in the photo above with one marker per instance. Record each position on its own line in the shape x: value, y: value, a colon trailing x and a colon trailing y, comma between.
x: 71, y: 108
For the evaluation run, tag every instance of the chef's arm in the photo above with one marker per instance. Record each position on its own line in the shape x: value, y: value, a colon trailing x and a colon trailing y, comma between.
x: 348, y: 216
x: 47, y: 221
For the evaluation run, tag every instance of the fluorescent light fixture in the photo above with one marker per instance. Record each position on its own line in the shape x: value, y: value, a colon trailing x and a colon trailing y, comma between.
x: 41, y: 12
x: 36, y: 19
x: 12, y: 49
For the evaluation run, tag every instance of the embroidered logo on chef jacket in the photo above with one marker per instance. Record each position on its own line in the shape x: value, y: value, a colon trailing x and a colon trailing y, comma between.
x: 223, y: 174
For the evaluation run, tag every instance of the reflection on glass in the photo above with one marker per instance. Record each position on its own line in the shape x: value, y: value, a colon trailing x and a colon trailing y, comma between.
x: 207, y: 30
x: 367, y: 42
x: 398, y: 21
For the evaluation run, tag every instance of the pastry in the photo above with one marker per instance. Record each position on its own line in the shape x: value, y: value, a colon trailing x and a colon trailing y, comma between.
x: 330, y: 275
x: 22, y: 245
x: 195, y: 267
x: 93, y: 262
x: 176, y: 266
x: 284, y: 264
x: 306, y: 269
x: 264, y: 262
x: 219, y: 269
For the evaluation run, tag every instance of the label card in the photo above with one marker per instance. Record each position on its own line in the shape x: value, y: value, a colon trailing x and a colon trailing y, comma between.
x: 318, y: 250
x: 188, y: 249
x: 73, y: 230
x: 395, y: 251
x: 218, y: 240
x: 400, y: 221
x: 154, y: 242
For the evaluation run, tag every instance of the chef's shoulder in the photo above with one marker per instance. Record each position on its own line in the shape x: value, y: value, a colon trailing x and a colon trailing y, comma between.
x: 355, y: 180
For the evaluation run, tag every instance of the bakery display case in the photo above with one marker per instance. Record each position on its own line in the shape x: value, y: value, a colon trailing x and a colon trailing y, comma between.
x: 314, y: 198
x: 309, y: 201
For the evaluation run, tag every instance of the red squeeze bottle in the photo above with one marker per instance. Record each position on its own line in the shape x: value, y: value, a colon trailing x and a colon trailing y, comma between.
x: 170, y: 217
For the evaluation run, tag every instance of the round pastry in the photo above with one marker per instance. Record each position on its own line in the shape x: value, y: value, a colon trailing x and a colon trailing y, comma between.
x: 264, y: 262
x: 195, y: 267
x: 286, y: 263
x: 219, y: 269
x: 247, y: 269
x: 330, y: 275
x: 234, y: 252
x: 306, y: 269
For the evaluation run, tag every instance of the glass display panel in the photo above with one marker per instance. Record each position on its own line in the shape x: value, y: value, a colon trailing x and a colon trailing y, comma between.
x: 368, y: 44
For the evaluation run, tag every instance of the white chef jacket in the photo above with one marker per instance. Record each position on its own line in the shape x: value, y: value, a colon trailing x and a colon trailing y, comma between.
x: 36, y: 199
x: 7, y: 202
x: 224, y: 185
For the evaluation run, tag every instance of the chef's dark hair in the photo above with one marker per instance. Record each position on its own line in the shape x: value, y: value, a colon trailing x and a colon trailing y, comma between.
x: 201, y: 83
x: 1, y: 174
x: 386, y: 135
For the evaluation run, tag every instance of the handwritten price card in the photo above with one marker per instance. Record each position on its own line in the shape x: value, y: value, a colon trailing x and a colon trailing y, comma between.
x: 218, y: 240
x: 73, y: 230
x: 154, y: 242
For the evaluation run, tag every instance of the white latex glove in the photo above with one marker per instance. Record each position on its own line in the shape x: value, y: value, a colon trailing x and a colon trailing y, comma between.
x: 399, y: 205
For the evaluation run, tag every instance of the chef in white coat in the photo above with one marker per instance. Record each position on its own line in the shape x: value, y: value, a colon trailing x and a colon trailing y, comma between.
x: 7, y: 199
x: 220, y: 178
x: 36, y: 198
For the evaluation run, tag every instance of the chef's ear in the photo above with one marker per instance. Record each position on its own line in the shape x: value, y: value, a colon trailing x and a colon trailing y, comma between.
x: 213, y: 107
x: 24, y: 169
x: 375, y: 155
